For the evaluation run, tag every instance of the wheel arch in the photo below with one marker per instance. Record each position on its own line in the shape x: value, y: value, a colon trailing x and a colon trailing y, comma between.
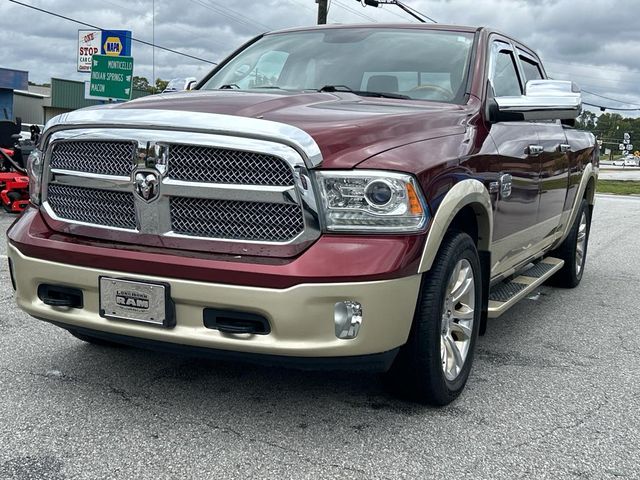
x: 586, y: 190
x: 465, y: 200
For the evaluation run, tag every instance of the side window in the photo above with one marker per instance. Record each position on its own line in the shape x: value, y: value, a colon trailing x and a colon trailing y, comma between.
x: 530, y: 69
x: 505, y: 76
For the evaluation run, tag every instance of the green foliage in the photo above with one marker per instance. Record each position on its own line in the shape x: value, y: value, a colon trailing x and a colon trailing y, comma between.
x: 610, y: 128
x: 142, y: 83
x: 619, y: 187
x: 160, y: 85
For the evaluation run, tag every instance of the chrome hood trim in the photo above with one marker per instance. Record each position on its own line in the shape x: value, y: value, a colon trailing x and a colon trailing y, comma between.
x: 107, y: 116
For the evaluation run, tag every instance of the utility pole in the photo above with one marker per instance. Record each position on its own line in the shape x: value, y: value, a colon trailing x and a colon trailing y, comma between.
x: 323, y: 9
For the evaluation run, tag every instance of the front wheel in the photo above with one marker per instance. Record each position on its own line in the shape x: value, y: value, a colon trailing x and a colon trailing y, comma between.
x: 434, y: 365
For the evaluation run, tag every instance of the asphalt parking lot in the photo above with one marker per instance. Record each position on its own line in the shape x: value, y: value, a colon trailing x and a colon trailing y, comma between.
x: 555, y: 393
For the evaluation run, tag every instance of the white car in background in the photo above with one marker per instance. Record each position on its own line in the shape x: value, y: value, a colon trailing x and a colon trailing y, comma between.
x: 180, y: 84
x: 631, y: 161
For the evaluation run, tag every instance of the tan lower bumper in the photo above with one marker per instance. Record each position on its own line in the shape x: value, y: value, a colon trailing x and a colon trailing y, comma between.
x: 301, y: 317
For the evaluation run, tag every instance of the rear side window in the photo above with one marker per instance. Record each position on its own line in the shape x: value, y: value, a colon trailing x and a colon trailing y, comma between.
x: 505, y: 76
x: 530, y: 69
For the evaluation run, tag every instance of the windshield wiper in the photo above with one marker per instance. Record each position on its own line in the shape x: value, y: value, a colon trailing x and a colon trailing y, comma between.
x: 264, y: 87
x: 229, y: 86
x: 363, y: 93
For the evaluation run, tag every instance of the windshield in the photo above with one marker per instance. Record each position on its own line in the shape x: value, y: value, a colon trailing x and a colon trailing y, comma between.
x: 419, y: 64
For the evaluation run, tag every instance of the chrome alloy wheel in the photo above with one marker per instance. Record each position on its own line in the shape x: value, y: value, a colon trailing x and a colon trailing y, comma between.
x: 457, y: 319
x: 581, y: 243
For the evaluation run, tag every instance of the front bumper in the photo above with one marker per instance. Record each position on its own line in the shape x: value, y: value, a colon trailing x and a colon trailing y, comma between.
x: 301, y: 316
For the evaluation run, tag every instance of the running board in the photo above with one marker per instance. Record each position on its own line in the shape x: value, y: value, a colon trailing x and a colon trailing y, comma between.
x: 505, y: 295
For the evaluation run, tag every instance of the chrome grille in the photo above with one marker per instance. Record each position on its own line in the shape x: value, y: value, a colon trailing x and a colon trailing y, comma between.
x: 218, y: 165
x: 88, y: 205
x: 232, y: 194
x: 105, y: 158
x: 269, y: 222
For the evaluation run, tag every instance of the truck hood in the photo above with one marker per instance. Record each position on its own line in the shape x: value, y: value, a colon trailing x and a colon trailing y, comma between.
x: 347, y: 128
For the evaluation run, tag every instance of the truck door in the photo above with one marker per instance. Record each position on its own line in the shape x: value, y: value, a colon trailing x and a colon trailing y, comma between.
x: 516, y: 167
x: 554, y: 158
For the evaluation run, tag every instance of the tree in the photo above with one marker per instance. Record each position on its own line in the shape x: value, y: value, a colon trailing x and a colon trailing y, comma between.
x: 141, y: 83
x: 586, y: 120
x: 160, y: 85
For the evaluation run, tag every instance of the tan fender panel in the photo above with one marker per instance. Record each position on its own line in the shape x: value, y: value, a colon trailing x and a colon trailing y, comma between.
x: 465, y: 193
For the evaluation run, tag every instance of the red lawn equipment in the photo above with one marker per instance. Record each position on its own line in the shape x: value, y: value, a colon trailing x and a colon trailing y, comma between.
x: 14, y: 182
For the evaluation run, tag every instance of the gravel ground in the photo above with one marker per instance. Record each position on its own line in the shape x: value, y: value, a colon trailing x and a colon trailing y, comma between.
x: 554, y: 393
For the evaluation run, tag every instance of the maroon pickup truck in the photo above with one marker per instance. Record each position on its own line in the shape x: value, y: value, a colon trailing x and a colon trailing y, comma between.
x: 359, y: 197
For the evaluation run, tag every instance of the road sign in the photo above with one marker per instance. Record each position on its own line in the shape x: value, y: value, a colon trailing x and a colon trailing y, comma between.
x: 111, y: 77
x: 621, y: 146
x: 629, y: 147
x: 89, y: 43
x: 627, y: 137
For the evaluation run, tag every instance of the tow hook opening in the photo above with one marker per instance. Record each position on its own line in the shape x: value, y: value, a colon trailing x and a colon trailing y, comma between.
x: 59, y: 296
x: 229, y: 321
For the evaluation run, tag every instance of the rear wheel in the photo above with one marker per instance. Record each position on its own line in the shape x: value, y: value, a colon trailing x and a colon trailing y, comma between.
x: 434, y: 365
x: 573, y: 250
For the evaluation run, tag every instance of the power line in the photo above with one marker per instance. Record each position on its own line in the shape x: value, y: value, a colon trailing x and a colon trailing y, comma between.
x: 584, y: 65
x: 397, y: 14
x: 235, y: 16
x: 612, y: 99
x: 144, y: 42
x: 597, y: 79
x: 355, y: 12
x: 410, y: 10
x: 603, y: 107
x: 417, y: 11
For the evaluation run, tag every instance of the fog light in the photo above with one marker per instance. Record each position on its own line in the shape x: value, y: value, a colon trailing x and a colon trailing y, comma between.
x: 347, y: 316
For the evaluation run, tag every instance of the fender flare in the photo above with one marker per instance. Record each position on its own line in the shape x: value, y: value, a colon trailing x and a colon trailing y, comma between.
x: 589, y: 172
x: 468, y: 192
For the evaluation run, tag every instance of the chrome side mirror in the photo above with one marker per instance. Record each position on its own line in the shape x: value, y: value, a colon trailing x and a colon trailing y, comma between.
x: 543, y: 100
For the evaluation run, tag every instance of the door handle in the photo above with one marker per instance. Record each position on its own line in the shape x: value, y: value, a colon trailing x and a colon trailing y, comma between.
x: 564, y: 147
x: 535, y: 150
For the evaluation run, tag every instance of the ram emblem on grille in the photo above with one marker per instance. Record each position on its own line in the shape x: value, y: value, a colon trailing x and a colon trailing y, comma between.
x: 146, y: 184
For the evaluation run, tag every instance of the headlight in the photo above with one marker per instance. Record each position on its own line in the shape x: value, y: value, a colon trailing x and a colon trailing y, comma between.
x: 371, y: 201
x: 34, y: 170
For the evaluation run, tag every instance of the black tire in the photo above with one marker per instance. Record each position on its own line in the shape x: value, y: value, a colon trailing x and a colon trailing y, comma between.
x: 417, y: 373
x: 94, y: 340
x: 569, y: 276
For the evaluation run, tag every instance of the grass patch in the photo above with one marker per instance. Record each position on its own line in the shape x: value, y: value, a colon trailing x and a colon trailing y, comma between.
x: 619, y: 187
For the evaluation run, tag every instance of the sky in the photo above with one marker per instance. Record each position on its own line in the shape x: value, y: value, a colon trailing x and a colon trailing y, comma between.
x: 595, y: 43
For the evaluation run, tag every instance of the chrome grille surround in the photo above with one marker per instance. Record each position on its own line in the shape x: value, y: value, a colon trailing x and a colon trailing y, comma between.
x: 295, y: 220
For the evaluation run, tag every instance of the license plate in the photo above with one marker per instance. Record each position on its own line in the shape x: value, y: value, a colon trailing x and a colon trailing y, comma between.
x: 136, y: 301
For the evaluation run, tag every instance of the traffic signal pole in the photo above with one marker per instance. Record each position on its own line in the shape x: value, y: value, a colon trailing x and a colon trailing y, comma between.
x: 323, y: 9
